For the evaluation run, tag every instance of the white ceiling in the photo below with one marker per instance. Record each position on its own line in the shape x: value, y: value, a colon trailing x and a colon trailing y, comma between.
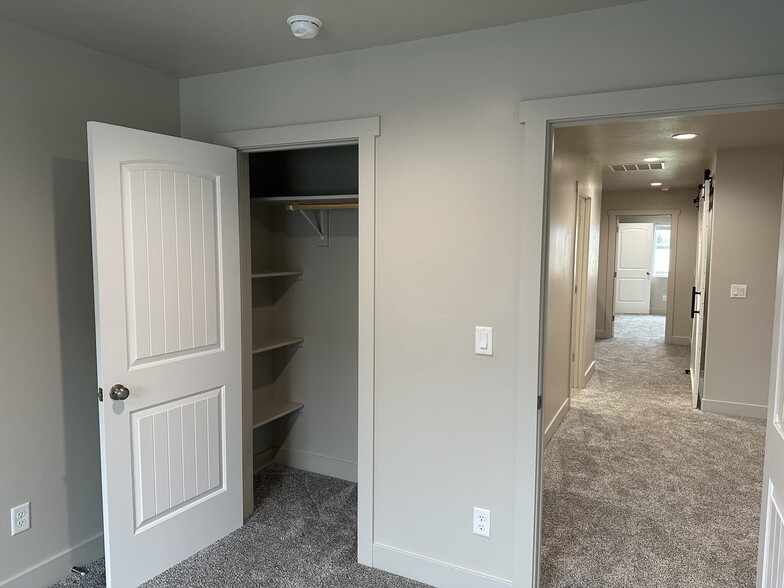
x: 185, y: 39
x: 684, y: 161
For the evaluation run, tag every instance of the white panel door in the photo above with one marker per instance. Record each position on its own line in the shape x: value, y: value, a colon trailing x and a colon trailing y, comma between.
x: 699, y: 292
x: 633, y: 261
x: 167, y: 302
x: 770, y: 570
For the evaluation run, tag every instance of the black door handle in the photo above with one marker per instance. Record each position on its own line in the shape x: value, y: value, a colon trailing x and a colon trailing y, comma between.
x: 694, y: 295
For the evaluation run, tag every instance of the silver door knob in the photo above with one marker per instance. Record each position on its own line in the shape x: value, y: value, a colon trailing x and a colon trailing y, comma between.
x: 119, y: 392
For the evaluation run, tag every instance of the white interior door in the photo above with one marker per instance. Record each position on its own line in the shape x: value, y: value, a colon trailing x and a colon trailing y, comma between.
x: 699, y: 293
x: 634, y: 259
x: 166, y: 272
x: 770, y: 570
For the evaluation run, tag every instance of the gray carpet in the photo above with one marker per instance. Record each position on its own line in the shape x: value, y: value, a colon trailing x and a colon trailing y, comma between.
x: 640, y: 490
x: 302, y: 535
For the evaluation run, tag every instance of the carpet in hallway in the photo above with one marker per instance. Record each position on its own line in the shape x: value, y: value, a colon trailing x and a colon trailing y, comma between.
x: 301, y: 535
x: 639, y: 489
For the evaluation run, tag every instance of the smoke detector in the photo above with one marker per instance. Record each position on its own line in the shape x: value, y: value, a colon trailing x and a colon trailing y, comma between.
x: 304, y: 27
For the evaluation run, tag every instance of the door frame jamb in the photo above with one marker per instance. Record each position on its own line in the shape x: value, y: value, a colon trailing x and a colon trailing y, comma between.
x: 362, y: 132
x: 540, y: 117
x: 612, y: 242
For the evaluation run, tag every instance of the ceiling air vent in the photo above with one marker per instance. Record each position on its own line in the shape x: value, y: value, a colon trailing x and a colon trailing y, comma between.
x: 626, y: 167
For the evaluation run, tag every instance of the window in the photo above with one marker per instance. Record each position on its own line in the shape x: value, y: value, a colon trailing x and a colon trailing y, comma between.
x: 661, y: 250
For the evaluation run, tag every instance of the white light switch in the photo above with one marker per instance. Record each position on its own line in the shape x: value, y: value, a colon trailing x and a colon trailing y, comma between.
x: 737, y: 290
x: 484, y: 341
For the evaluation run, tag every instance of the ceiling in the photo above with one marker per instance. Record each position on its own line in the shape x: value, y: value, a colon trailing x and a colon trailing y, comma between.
x: 629, y: 142
x: 185, y: 39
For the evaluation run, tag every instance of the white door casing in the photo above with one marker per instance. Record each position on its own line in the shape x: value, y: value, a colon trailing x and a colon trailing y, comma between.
x: 582, y: 251
x: 770, y: 568
x: 166, y: 273
x: 363, y: 132
x: 539, y: 117
x: 633, y: 260
x: 699, y: 292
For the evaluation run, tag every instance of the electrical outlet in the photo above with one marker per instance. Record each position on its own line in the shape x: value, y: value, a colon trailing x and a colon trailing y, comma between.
x: 20, y: 518
x: 664, y: 298
x: 481, y: 522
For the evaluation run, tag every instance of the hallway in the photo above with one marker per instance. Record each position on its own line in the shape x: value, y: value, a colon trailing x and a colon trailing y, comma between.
x: 641, y: 491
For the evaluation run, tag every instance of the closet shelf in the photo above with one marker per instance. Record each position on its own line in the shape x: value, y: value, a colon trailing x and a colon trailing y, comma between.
x: 270, y: 343
x: 277, y: 274
x: 267, y: 411
x: 336, y: 198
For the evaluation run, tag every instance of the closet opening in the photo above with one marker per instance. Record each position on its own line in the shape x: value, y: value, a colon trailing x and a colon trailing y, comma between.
x: 302, y: 225
x: 307, y: 197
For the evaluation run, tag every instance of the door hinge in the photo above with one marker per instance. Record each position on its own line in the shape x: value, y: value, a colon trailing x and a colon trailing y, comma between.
x: 538, y: 403
x: 575, y: 288
x: 100, y: 394
x: 572, y: 356
x: 613, y: 318
x: 615, y: 274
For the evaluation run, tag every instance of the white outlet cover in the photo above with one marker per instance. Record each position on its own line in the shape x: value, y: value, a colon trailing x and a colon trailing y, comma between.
x: 481, y: 522
x: 20, y: 518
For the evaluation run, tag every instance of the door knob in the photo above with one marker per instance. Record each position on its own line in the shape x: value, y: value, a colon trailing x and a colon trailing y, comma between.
x: 119, y: 392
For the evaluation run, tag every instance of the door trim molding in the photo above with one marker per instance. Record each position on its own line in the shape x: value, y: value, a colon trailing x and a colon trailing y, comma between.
x: 540, y: 117
x: 612, y: 244
x: 363, y: 132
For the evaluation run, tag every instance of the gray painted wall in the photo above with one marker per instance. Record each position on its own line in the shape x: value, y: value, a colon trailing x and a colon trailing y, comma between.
x: 744, y: 250
x: 448, y: 254
x: 684, y: 261
x: 448, y: 251
x: 569, y: 166
x: 49, y: 435
x: 658, y: 290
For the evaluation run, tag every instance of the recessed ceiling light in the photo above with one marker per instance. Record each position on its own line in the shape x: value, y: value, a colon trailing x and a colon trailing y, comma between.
x: 656, y: 184
x: 652, y: 159
x: 684, y: 136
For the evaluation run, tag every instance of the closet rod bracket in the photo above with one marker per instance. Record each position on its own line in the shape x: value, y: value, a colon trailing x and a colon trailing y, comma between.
x: 320, y: 224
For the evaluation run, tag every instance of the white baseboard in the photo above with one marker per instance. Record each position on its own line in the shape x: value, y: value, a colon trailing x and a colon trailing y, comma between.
x: 553, y: 425
x: 600, y: 335
x: 320, y: 464
x: 681, y: 340
x: 589, y: 373
x: 58, y: 566
x: 741, y: 409
x: 431, y: 571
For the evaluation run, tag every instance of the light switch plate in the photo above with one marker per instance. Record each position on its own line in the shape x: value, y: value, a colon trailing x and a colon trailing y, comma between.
x: 738, y: 290
x: 483, y: 341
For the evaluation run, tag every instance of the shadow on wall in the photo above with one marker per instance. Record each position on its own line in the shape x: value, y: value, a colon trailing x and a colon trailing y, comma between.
x: 76, y: 313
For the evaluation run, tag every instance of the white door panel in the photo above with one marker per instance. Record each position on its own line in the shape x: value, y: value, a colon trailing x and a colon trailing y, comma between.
x: 166, y: 271
x: 634, y: 259
x: 770, y: 569
x: 700, y: 293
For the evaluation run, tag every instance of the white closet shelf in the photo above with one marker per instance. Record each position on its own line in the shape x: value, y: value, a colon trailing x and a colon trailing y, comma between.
x: 267, y: 411
x: 277, y: 274
x: 305, y: 199
x: 271, y: 343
